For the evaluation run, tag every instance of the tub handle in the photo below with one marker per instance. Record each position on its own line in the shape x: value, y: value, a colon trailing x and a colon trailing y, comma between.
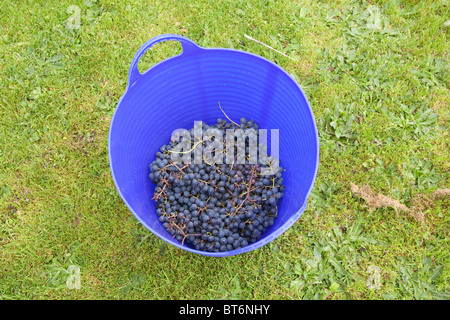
x: 187, y: 44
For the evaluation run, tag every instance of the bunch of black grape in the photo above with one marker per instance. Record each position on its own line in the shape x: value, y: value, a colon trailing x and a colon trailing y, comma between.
x: 215, y: 207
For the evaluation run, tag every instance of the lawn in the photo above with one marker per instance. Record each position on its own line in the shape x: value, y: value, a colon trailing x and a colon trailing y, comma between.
x: 377, y: 76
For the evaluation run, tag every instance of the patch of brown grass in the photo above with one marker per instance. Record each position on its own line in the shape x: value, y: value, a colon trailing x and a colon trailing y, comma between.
x: 420, y: 202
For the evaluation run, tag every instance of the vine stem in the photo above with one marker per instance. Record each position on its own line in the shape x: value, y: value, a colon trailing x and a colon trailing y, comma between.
x: 187, y: 235
x: 195, y: 145
x: 248, y: 191
x: 159, y: 194
x: 227, y: 115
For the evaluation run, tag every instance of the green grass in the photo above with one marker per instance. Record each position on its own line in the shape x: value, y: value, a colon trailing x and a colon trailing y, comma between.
x: 376, y: 74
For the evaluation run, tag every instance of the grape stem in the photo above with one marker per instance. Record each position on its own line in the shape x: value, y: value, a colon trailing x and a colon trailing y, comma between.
x: 248, y: 191
x: 187, y: 235
x: 227, y: 115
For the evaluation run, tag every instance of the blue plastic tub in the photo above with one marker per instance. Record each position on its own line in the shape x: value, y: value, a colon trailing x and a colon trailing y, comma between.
x: 188, y: 87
